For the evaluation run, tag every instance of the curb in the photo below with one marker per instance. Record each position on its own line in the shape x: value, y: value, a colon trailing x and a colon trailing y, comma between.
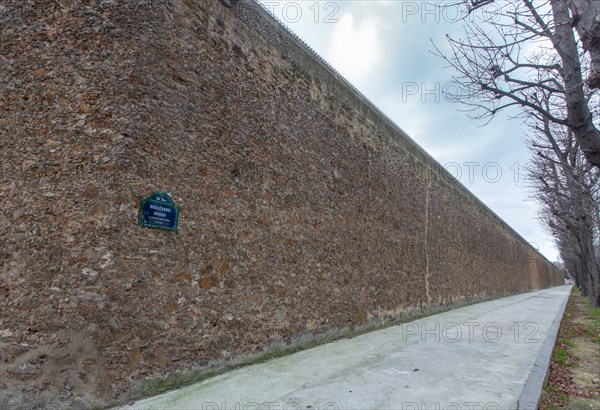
x: 532, y: 393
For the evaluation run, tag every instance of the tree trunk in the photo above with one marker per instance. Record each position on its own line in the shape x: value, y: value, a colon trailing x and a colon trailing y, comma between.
x: 583, y: 224
x: 590, y: 267
x: 573, y: 265
x: 578, y: 114
x: 586, y: 16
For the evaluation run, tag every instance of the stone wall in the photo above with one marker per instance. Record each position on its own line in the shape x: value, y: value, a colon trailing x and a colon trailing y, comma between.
x: 303, y: 209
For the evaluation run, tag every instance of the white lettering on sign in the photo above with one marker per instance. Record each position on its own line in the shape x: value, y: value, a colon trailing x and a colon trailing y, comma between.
x: 159, y: 208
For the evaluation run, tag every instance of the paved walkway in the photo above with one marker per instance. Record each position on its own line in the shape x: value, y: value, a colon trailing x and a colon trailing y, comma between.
x: 475, y: 357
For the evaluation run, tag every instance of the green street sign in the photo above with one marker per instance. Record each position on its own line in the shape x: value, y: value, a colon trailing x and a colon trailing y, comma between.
x: 158, y: 211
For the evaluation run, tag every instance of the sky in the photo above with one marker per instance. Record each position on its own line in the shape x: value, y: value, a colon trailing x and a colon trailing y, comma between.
x: 384, y: 48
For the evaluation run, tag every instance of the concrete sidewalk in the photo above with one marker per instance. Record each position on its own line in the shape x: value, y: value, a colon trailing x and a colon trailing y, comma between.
x: 476, y: 357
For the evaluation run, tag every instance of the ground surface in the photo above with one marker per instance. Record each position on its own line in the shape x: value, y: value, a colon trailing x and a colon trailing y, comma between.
x: 574, y: 378
x: 478, y: 355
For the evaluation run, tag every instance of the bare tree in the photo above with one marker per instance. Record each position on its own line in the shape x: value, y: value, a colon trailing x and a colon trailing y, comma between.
x: 497, y: 66
x: 568, y: 189
x: 566, y: 185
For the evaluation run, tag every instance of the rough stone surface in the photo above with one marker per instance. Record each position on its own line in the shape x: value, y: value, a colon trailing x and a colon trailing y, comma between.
x: 302, y: 208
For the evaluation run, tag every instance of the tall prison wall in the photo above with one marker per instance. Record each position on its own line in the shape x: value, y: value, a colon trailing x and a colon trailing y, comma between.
x: 303, y: 209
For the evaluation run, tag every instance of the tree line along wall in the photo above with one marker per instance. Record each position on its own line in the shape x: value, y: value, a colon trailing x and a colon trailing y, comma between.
x: 303, y: 210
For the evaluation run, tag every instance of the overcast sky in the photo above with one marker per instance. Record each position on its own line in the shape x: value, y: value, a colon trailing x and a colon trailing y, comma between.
x: 384, y: 49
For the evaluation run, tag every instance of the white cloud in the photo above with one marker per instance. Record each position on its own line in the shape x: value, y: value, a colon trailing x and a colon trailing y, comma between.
x: 355, y: 49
